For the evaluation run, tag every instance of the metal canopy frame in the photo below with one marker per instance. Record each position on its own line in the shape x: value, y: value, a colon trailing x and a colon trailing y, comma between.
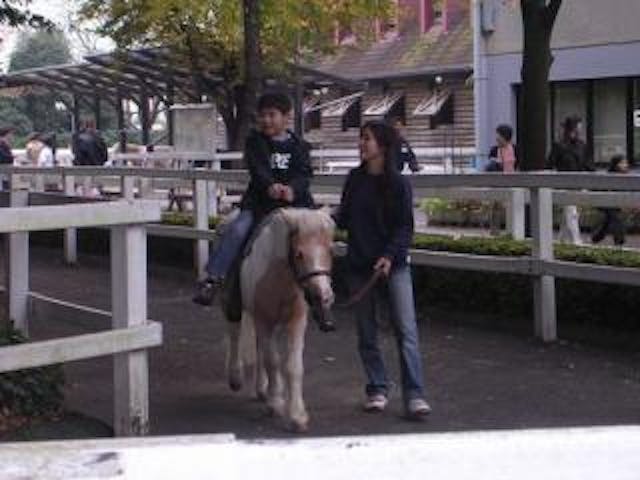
x: 139, y: 75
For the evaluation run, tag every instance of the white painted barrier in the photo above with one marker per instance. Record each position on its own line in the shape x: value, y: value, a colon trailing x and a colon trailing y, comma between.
x: 553, y: 454
x: 131, y: 334
x: 541, y: 190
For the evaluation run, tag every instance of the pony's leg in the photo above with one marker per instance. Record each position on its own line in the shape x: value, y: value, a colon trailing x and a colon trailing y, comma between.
x: 253, y: 357
x: 261, y: 380
x: 267, y: 344
x: 234, y: 359
x: 297, y: 415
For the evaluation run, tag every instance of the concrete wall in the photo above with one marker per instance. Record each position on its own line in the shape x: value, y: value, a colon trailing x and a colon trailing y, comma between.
x: 581, y: 23
x: 594, y: 39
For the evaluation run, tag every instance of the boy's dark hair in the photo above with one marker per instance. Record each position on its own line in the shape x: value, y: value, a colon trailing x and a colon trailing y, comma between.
x: 505, y: 131
x: 278, y: 100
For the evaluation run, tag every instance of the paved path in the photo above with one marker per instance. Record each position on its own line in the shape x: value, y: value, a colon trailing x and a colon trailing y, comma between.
x: 477, y: 379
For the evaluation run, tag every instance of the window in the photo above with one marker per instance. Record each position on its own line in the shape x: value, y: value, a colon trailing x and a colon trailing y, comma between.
x: 609, y: 119
x: 353, y: 116
x: 312, y: 115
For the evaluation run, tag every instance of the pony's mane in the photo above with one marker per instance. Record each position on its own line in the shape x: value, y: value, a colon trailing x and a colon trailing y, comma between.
x: 307, y: 221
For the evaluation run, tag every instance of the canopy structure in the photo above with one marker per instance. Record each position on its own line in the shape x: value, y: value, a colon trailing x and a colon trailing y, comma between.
x: 138, y: 76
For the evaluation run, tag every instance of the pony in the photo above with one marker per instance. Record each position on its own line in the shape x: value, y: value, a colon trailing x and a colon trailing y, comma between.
x: 287, y: 270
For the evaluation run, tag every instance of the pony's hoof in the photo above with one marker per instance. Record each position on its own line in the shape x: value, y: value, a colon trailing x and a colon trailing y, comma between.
x: 235, y: 385
x: 261, y: 396
x: 275, y: 410
x: 235, y: 380
x: 298, y: 426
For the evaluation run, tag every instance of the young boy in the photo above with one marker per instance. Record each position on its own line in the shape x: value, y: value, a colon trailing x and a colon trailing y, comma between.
x: 280, y: 170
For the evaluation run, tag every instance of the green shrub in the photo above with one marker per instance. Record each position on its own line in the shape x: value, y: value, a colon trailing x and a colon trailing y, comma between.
x: 503, y: 246
x: 34, y: 392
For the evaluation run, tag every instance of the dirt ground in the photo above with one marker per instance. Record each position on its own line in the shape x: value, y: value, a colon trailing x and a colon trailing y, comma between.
x: 477, y: 379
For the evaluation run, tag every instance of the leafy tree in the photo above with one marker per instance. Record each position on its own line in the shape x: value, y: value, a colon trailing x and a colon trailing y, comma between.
x: 15, y: 14
x: 246, y: 39
x: 538, y: 18
x: 39, y: 49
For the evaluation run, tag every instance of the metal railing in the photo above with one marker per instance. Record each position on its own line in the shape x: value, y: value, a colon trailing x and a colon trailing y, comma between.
x: 540, y: 189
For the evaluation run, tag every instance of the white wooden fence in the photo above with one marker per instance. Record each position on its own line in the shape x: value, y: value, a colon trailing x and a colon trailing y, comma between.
x: 132, y: 333
x: 542, y: 189
x: 593, y: 453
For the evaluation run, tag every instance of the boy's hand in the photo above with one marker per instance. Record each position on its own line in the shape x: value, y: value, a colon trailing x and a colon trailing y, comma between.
x: 287, y: 194
x: 384, y: 265
x: 275, y: 191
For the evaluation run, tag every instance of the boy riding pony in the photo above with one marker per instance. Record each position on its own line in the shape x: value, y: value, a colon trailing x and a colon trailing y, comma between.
x: 280, y: 170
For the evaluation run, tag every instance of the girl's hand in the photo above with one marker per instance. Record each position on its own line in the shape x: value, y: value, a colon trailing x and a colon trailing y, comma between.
x: 384, y: 265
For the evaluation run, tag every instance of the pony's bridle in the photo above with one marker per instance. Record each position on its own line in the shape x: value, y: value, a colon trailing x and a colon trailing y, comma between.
x: 303, y: 277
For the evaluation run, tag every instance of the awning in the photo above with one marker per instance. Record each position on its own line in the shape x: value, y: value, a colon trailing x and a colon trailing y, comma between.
x: 309, y: 103
x: 338, y: 107
x: 432, y: 105
x: 383, y: 105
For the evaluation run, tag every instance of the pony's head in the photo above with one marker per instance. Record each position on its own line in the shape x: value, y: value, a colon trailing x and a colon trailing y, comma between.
x: 310, y: 253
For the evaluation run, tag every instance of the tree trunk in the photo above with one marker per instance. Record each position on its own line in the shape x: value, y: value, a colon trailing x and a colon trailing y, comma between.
x: 253, y: 71
x: 538, y: 21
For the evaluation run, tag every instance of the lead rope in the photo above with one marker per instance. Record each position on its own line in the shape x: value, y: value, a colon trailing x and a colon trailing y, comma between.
x: 363, y: 291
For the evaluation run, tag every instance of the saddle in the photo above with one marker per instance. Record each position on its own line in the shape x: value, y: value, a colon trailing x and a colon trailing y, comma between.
x: 231, y: 290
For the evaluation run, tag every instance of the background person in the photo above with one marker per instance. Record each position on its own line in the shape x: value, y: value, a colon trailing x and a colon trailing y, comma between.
x: 404, y: 153
x: 503, y: 156
x: 6, y: 141
x: 571, y: 154
x: 611, y: 222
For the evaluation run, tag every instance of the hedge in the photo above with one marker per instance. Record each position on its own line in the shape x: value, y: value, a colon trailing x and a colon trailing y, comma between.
x: 506, y: 299
x: 36, y: 392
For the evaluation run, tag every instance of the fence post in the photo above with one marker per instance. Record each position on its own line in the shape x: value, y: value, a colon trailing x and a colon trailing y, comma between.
x: 70, y: 234
x: 201, y: 214
x: 544, y: 287
x: 18, y: 266
x: 87, y: 186
x: 516, y: 213
x: 129, y: 307
x: 145, y: 187
x: 127, y: 184
x: 38, y: 183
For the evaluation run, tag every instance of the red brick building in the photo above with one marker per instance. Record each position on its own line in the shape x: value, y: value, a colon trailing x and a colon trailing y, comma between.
x: 419, y: 68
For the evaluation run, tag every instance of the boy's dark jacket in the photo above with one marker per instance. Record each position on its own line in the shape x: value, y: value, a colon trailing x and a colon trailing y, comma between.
x: 287, y: 162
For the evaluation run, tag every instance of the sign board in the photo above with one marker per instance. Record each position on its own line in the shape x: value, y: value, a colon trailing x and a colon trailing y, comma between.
x: 636, y: 118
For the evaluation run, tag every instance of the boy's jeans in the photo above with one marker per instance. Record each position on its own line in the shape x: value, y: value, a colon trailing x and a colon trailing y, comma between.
x: 403, y: 317
x: 230, y: 245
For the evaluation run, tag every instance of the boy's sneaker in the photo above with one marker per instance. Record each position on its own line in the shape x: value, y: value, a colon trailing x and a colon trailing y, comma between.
x: 206, y: 292
x: 418, y: 408
x: 375, y: 403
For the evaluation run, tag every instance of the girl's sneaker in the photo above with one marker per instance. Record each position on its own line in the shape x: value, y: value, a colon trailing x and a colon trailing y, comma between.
x: 417, y: 409
x: 375, y: 403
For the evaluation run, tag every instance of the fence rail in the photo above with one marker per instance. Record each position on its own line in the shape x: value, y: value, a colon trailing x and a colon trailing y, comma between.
x: 131, y: 332
x: 540, y: 190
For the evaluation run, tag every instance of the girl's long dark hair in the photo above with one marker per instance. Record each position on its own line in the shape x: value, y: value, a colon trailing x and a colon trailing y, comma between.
x: 387, y: 139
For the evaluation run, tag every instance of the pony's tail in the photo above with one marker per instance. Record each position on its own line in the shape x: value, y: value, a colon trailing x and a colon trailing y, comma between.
x: 241, y: 351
